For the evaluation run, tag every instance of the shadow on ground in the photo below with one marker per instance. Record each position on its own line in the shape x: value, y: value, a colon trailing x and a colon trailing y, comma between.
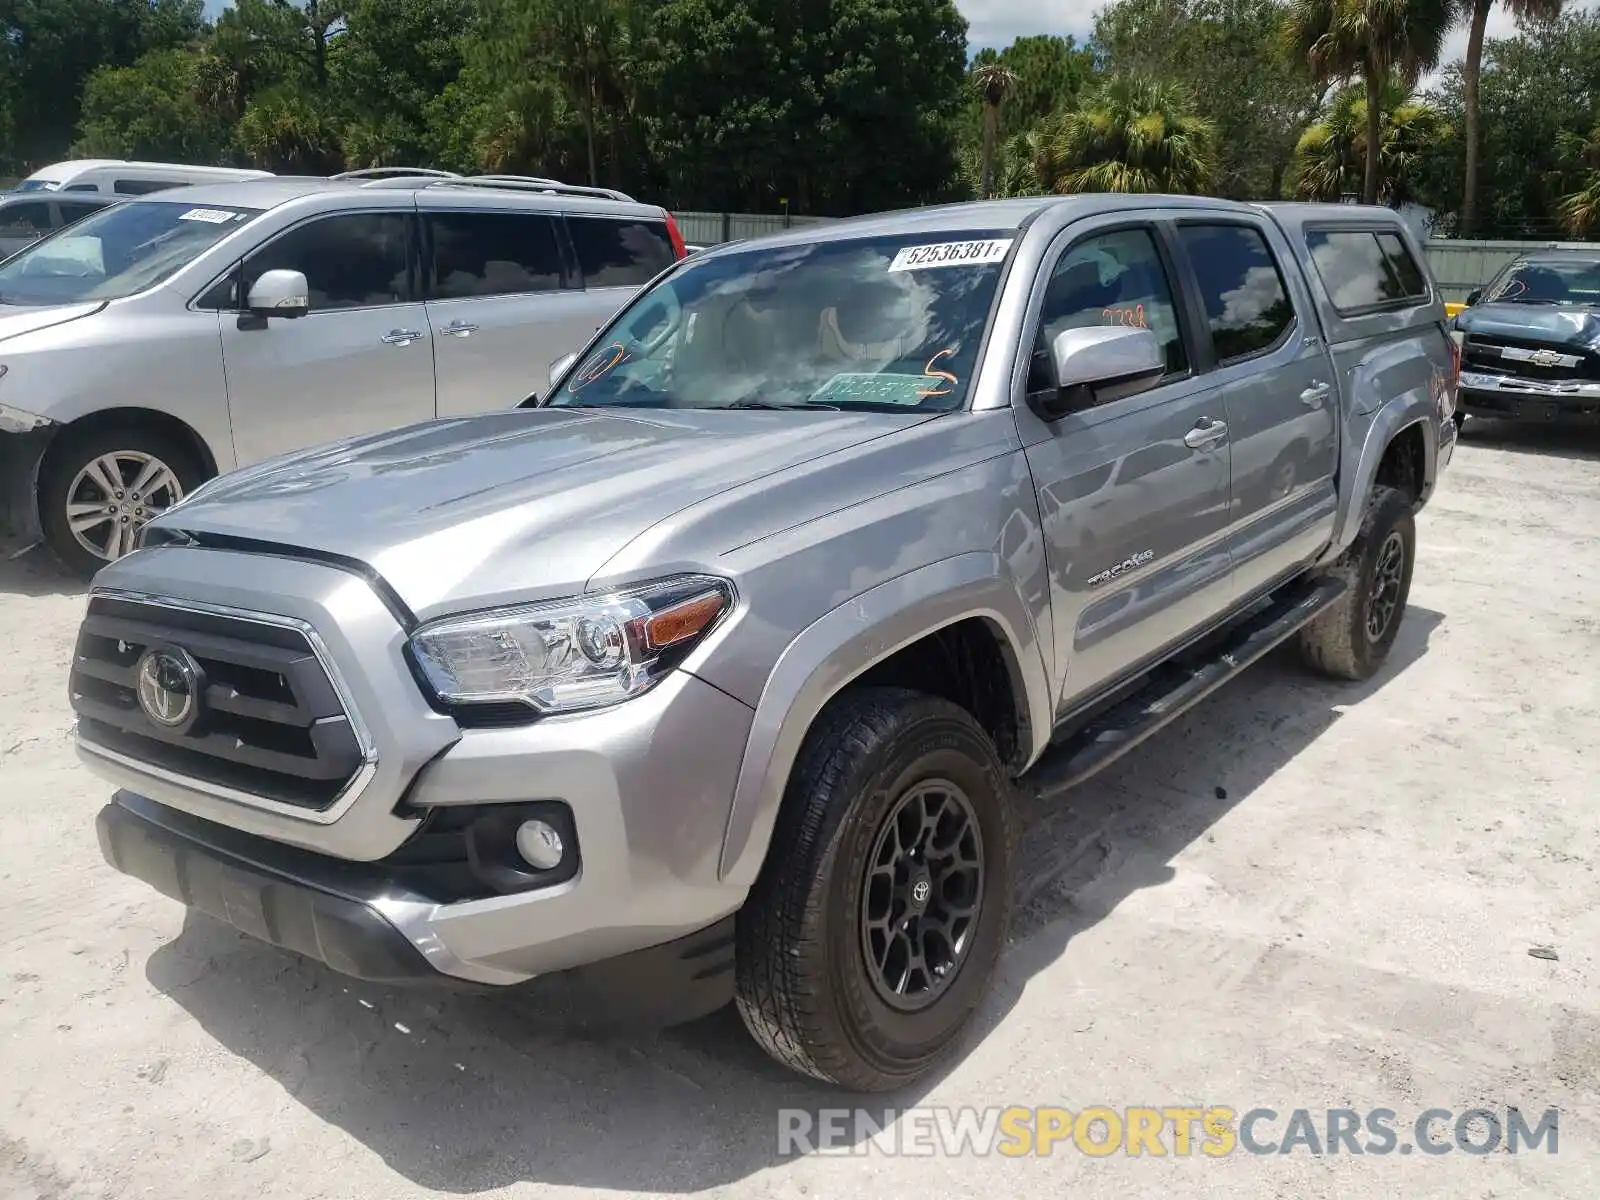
x: 1581, y: 443
x: 31, y: 571
x: 462, y: 1095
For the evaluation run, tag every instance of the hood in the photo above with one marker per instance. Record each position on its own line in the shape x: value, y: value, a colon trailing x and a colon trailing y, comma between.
x: 1566, y: 327
x: 512, y: 506
x: 24, y: 318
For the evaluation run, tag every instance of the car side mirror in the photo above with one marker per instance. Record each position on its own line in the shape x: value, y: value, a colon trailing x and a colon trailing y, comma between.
x: 561, y: 365
x: 1097, y: 365
x: 1474, y: 296
x: 279, y: 294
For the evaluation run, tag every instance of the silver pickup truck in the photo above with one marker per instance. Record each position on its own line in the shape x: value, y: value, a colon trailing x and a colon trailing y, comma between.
x: 706, y: 677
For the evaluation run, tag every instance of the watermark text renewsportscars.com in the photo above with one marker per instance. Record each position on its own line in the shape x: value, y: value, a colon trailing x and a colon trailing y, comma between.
x: 1163, y: 1131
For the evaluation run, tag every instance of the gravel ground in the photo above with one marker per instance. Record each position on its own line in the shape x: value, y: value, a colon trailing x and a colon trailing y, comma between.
x: 1298, y: 896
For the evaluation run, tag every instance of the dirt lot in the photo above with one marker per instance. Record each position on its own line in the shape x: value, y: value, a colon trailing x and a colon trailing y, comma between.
x: 1300, y: 896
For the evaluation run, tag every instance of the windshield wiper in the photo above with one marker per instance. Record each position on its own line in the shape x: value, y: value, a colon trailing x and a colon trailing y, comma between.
x: 775, y: 406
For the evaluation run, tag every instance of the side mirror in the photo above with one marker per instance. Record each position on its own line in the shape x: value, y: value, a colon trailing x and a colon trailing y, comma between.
x: 1474, y: 296
x: 1098, y: 365
x: 561, y: 365
x: 279, y: 294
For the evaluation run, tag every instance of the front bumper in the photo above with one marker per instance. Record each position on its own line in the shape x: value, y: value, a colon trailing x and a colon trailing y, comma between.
x: 1512, y: 398
x: 647, y: 785
x: 343, y: 915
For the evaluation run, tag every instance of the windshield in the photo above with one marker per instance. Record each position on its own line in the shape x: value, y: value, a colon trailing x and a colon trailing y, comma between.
x: 1550, y: 281
x: 888, y: 323
x: 35, y: 185
x: 116, y: 252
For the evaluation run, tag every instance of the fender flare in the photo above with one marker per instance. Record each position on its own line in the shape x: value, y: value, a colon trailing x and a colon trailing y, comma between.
x: 847, y: 641
x: 1360, y: 470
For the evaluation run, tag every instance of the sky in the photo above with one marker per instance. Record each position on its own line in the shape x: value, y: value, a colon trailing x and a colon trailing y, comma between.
x: 998, y: 22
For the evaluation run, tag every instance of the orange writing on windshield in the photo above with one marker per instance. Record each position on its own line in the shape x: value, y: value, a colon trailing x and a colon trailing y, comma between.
x: 934, y: 373
x: 1133, y: 316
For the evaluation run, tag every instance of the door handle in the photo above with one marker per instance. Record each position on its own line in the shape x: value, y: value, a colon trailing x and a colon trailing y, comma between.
x: 459, y: 329
x: 401, y: 337
x: 1314, y: 395
x: 1205, y: 434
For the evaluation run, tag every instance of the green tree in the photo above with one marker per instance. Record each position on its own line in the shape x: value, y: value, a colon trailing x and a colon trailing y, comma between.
x: 1375, y: 39
x: 1471, y: 73
x: 49, y: 48
x: 393, y: 58
x: 1539, y: 94
x: 1228, y: 56
x: 1135, y: 135
x: 1330, y: 159
x: 151, y: 110
x: 1580, y: 212
x: 993, y: 83
x: 287, y: 130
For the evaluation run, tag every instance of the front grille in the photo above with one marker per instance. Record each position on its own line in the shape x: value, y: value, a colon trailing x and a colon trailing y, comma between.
x: 267, y: 720
x: 1486, y: 354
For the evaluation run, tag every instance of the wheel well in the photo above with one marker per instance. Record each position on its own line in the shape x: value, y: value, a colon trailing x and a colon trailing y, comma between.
x: 966, y: 664
x: 139, y: 418
x: 1404, y: 463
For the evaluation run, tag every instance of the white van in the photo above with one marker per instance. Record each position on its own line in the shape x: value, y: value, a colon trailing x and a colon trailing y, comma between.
x: 111, y: 176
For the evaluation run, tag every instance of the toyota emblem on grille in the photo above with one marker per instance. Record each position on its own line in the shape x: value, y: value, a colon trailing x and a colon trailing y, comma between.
x: 168, y: 687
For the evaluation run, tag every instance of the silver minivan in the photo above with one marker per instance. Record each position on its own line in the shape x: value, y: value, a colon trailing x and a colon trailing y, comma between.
x: 170, y: 338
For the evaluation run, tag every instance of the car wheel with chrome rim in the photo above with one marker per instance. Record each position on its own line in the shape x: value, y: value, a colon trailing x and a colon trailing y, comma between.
x: 98, y: 490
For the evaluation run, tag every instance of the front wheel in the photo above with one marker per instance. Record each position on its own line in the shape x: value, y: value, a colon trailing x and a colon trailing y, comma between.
x: 99, y: 488
x: 1352, y: 638
x: 873, y: 931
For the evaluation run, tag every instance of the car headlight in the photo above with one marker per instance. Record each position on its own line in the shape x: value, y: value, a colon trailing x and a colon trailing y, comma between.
x: 586, y: 652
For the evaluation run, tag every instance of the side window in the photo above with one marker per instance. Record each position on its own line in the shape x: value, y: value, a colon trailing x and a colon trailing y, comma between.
x: 1354, y: 268
x: 141, y: 187
x: 493, y: 254
x: 618, y: 252
x: 1412, y: 284
x: 355, y: 260
x: 1114, y: 278
x: 1247, y: 306
x: 76, y: 210
x: 25, y: 220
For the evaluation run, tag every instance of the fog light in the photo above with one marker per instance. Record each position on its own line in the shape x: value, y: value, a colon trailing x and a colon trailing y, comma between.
x: 540, y: 845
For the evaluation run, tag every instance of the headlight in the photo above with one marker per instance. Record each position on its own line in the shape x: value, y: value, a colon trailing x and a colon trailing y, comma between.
x: 586, y: 652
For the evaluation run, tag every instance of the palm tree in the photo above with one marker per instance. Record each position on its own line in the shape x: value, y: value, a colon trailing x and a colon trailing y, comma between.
x: 1374, y: 39
x: 994, y: 83
x: 1329, y: 159
x: 1471, y: 71
x: 1133, y: 135
x: 1580, y: 212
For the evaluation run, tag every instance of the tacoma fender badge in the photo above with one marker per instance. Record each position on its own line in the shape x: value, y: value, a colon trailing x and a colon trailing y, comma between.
x: 1122, y: 568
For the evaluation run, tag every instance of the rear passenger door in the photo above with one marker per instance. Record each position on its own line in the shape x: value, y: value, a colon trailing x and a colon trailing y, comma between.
x: 502, y: 304
x: 1133, y: 494
x: 1263, y: 347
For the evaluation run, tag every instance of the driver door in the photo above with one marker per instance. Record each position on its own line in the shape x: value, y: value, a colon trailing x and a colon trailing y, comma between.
x: 361, y: 361
x: 1133, y: 494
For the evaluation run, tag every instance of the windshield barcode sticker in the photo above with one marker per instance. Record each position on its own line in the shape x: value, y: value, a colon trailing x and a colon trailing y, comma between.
x: 211, y: 216
x: 951, y: 254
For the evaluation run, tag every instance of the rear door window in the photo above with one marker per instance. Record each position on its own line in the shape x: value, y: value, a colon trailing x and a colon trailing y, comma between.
x: 1247, y: 305
x: 493, y: 254
x: 76, y: 210
x: 620, y: 252
x: 141, y: 187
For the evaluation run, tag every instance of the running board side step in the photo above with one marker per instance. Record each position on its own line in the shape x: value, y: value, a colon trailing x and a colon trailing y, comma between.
x: 1176, y: 686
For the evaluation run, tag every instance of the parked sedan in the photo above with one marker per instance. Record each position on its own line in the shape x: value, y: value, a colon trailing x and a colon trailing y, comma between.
x: 27, y: 217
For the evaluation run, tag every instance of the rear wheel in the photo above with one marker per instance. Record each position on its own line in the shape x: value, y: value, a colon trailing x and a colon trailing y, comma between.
x: 1352, y: 638
x: 98, y: 489
x: 872, y: 934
